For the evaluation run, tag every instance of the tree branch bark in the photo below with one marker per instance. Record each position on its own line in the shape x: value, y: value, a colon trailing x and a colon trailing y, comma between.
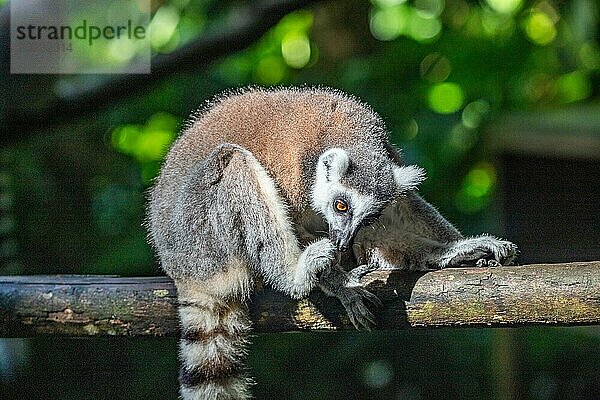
x: 72, y: 305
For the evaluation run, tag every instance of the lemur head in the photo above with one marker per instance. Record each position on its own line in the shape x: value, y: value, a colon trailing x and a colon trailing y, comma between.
x: 353, y: 193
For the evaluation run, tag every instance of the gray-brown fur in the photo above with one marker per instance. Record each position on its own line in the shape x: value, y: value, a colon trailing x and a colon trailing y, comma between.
x: 286, y: 130
x: 247, y: 195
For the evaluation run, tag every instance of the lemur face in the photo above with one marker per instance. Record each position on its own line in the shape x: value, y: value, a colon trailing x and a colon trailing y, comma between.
x: 347, y: 207
x: 347, y: 211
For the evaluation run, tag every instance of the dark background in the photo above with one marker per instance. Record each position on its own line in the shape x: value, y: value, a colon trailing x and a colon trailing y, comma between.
x: 499, y: 100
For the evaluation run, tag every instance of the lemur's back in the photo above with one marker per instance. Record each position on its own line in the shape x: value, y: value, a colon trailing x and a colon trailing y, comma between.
x: 225, y: 211
x: 285, y: 129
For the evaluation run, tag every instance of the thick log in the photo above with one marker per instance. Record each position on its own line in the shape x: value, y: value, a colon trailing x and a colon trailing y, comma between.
x: 72, y: 305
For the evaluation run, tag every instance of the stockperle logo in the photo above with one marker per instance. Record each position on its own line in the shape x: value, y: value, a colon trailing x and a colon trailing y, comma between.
x: 74, y: 36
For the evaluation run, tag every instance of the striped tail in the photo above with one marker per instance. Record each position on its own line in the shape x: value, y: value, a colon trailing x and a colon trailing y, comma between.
x: 213, y: 349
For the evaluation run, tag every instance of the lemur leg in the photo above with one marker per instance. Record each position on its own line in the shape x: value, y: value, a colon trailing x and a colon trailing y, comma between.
x: 411, y: 234
x: 229, y: 228
x: 235, y: 210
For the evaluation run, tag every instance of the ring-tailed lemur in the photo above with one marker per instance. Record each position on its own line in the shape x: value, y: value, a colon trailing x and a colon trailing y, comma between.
x: 273, y: 185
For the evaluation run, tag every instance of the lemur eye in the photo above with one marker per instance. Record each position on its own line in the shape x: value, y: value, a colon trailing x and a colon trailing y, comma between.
x: 340, y: 206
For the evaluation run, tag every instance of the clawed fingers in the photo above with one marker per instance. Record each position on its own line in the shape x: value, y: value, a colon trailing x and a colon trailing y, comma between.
x: 480, y: 251
x: 480, y: 257
x: 361, y: 317
x: 353, y: 301
x: 355, y: 275
x: 482, y: 263
x: 369, y: 296
x: 473, y: 258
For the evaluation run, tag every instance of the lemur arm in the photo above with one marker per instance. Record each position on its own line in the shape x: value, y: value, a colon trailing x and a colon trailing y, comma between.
x: 412, y: 234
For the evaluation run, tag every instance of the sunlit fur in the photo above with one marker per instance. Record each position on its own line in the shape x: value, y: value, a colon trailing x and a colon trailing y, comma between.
x: 245, y: 197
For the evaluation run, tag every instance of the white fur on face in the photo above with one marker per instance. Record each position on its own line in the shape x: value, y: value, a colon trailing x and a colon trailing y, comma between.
x: 324, y: 193
x: 331, y: 167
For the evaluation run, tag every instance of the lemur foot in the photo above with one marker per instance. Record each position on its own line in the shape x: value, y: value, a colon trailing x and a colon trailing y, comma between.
x: 479, y: 251
x: 353, y: 299
x: 355, y: 274
x: 353, y: 296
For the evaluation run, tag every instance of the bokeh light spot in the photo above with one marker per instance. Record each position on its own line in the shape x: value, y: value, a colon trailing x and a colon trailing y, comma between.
x: 435, y: 68
x: 121, y: 50
x: 163, y: 26
x: 153, y: 144
x: 147, y: 142
x: 574, y: 86
x: 388, y: 3
x: 411, y: 130
x: 446, y: 97
x: 378, y: 374
x: 478, y: 181
x: 124, y: 138
x: 474, y: 113
x: 462, y: 138
x: 430, y: 7
x: 270, y: 70
x: 295, y: 49
x: 423, y: 27
x: 589, y: 55
x: 389, y: 23
x: 476, y: 188
x: 539, y: 28
x: 505, y: 6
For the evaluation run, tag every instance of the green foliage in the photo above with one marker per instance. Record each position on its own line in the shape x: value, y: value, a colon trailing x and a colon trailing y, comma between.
x: 147, y: 143
x: 438, y: 71
x: 274, y: 58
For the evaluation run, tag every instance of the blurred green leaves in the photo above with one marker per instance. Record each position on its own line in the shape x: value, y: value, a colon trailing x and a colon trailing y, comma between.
x: 287, y: 47
x: 147, y: 143
x: 540, y: 28
x: 421, y: 22
x: 505, y: 6
x: 446, y: 97
x: 163, y: 27
x: 437, y: 71
x: 476, y: 188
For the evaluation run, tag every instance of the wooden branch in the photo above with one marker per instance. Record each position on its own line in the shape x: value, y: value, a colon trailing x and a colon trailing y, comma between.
x: 553, y: 294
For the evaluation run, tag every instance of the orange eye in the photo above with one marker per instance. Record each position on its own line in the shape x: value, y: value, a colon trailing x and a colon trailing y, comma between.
x: 340, y: 205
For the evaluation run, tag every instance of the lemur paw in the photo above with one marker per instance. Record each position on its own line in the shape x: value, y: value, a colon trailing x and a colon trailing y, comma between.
x: 319, y: 256
x: 353, y: 299
x: 355, y: 274
x: 479, y: 251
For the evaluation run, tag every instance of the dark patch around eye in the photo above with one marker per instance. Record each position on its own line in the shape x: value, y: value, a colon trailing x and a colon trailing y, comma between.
x: 369, y: 219
x: 340, y: 205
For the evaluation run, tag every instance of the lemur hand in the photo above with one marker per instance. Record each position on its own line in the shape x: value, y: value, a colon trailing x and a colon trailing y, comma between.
x: 353, y: 296
x: 479, y: 251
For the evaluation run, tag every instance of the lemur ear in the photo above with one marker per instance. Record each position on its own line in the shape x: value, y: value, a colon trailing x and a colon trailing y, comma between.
x: 408, y: 177
x: 333, y: 164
